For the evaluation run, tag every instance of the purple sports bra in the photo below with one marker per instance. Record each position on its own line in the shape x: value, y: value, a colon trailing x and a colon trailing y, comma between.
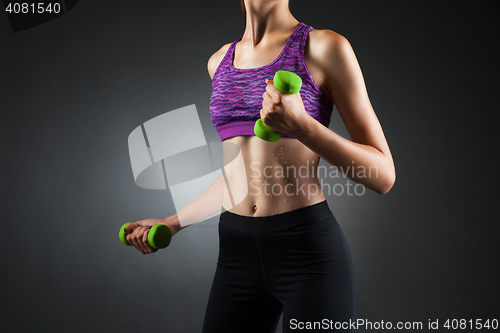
x: 237, y: 93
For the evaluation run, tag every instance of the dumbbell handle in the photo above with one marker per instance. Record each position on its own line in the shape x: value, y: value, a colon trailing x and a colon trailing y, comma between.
x: 288, y: 83
x: 159, y: 236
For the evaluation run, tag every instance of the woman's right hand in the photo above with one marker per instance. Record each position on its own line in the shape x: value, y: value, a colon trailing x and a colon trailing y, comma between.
x: 138, y: 233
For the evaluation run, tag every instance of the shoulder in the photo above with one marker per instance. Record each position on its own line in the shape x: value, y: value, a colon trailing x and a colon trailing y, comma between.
x: 327, y: 41
x: 326, y: 47
x: 216, y: 58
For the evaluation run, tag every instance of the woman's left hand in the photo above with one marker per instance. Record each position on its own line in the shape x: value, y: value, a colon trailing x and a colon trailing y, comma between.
x: 284, y: 113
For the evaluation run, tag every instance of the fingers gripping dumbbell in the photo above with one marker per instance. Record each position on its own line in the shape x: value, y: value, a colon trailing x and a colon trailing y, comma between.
x: 287, y: 83
x: 159, y: 236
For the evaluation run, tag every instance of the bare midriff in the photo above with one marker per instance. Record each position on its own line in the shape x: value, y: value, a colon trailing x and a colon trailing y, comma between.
x: 270, y: 177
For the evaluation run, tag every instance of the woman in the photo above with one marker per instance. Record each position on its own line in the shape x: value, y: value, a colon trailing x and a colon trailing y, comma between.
x: 281, y: 249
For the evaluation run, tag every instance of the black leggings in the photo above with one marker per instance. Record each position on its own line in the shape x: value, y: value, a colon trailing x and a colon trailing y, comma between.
x: 296, y: 263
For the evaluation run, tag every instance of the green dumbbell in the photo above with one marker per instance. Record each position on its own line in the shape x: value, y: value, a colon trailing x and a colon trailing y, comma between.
x: 159, y: 236
x: 287, y: 83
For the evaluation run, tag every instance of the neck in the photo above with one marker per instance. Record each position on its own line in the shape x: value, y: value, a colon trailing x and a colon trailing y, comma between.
x: 267, y: 17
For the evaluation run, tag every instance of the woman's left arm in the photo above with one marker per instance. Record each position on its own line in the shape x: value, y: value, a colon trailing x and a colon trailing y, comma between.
x: 368, y: 153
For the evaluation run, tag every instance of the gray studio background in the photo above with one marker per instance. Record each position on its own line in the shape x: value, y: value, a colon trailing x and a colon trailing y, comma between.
x: 73, y: 89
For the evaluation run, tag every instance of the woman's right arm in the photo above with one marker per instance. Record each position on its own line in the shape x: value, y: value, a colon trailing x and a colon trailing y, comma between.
x: 207, y: 204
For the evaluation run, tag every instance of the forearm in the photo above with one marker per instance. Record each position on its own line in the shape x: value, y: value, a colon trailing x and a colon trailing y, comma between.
x: 205, y: 205
x: 361, y: 163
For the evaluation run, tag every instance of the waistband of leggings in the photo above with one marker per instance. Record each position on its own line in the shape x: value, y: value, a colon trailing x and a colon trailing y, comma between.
x: 276, y: 222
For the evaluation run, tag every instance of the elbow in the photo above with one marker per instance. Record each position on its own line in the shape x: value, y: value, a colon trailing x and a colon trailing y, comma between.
x: 387, y: 184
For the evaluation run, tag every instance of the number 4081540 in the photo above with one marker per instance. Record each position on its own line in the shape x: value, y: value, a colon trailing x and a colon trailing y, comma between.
x: 38, y: 8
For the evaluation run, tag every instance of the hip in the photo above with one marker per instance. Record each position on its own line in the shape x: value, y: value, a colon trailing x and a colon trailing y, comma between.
x: 296, y: 239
